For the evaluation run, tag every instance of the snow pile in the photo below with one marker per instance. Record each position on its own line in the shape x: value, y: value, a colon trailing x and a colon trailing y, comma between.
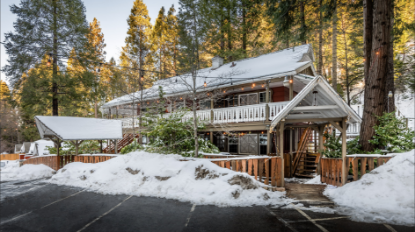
x: 315, y: 180
x: 147, y: 174
x: 26, y: 172
x: 386, y: 194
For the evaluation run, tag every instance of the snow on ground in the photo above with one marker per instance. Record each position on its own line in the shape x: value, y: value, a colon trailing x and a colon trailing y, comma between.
x: 386, y: 194
x: 147, y: 174
x: 25, y: 172
x: 315, y: 180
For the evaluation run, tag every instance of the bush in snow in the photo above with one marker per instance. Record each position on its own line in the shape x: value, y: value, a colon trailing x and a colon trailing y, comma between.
x: 392, y: 134
x: 134, y: 146
x: 86, y: 147
x: 171, y: 134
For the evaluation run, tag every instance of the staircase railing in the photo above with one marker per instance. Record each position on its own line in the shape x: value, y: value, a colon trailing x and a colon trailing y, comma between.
x: 301, y: 148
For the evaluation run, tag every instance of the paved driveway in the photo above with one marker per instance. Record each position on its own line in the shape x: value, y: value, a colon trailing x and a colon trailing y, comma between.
x: 46, y: 207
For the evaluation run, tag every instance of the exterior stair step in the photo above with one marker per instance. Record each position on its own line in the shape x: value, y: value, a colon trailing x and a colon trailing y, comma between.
x: 303, y: 175
x: 306, y: 170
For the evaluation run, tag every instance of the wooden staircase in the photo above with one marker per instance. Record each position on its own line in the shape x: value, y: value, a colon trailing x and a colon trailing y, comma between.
x: 305, y: 165
x: 127, y: 139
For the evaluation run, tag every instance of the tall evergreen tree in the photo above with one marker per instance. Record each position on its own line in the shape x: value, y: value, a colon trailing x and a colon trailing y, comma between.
x: 377, y: 69
x: 191, y: 35
x: 45, y: 27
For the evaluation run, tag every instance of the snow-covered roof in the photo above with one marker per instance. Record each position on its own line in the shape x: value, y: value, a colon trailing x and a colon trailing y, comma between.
x: 77, y: 128
x: 289, y: 61
x: 327, y: 103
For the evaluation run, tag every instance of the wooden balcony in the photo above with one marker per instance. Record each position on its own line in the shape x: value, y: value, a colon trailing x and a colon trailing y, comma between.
x: 238, y: 114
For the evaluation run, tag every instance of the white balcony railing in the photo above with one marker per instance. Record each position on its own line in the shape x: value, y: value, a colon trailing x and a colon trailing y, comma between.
x: 249, y: 113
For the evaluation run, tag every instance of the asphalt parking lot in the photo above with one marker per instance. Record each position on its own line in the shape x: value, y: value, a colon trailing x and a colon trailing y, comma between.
x: 47, y: 207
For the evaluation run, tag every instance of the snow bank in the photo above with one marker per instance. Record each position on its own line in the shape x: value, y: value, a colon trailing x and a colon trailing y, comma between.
x: 315, y: 180
x: 386, y: 194
x: 147, y: 174
x: 26, y: 172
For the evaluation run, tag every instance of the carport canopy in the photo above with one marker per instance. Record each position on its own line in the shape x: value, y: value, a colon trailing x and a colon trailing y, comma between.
x: 77, y: 129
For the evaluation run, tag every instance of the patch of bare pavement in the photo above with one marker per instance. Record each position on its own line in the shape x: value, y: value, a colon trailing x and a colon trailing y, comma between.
x: 60, y: 208
x: 308, y: 194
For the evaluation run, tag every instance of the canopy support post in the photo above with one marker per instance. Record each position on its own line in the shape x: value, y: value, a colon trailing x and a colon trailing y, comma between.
x: 282, y: 152
x: 345, y: 168
x: 100, y: 141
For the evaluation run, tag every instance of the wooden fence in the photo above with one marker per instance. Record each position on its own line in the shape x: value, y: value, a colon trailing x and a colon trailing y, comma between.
x: 9, y: 156
x: 92, y: 159
x: 331, y: 168
x: 267, y: 170
x: 57, y: 163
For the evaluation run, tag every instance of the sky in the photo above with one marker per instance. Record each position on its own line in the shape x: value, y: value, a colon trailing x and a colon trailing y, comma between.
x: 111, y: 14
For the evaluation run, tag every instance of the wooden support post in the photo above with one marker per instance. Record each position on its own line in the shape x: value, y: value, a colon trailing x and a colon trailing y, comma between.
x: 320, y: 146
x: 291, y: 151
x: 345, y: 168
x: 211, y: 136
x: 291, y: 89
x: 267, y: 101
x: 211, y: 111
x: 116, y: 146
x: 100, y: 142
x: 269, y: 142
x: 281, y: 148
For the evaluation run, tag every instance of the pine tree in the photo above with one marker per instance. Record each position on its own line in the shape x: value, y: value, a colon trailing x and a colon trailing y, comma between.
x: 4, y: 91
x: 159, y: 42
x: 96, y: 40
x: 44, y: 27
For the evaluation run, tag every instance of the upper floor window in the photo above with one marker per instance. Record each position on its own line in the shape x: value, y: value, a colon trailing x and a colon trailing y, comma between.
x: 252, y: 98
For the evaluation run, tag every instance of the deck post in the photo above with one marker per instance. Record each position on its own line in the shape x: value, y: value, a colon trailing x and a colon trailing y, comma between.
x: 269, y: 142
x: 211, y: 136
x: 320, y: 146
x: 267, y: 101
x: 345, y: 168
x: 116, y: 146
x: 211, y: 113
x: 281, y: 150
x: 291, y: 88
x: 100, y: 141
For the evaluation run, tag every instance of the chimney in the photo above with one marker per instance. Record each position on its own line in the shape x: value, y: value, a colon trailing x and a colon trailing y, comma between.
x: 217, y: 61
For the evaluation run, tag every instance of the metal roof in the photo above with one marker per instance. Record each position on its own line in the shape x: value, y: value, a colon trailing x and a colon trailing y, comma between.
x: 77, y: 128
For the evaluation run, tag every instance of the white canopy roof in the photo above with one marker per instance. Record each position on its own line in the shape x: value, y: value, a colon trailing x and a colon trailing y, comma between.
x: 289, y: 61
x: 77, y: 128
x: 325, y: 103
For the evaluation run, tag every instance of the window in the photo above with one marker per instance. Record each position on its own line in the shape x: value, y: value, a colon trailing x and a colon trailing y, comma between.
x: 233, y: 144
x: 204, y: 105
x: 263, y: 144
x: 248, y: 99
x: 249, y: 144
x: 262, y: 97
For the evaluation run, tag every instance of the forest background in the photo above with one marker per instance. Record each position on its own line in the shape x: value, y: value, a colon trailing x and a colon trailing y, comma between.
x: 232, y: 29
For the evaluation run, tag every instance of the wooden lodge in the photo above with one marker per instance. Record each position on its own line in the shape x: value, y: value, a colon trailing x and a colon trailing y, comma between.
x: 273, y: 104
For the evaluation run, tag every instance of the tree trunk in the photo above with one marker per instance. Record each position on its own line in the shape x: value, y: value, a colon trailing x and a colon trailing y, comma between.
x: 55, y: 103
x: 375, y: 88
x: 334, y: 49
x: 390, y: 83
x: 367, y: 34
x: 244, y: 31
x: 320, y: 41
x: 96, y: 108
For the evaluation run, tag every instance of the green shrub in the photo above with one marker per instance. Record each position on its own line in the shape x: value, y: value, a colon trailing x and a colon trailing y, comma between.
x: 391, y: 134
x: 131, y: 147
x: 171, y: 135
x: 86, y: 147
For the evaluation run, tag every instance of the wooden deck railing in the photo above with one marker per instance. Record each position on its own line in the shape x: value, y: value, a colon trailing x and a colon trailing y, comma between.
x: 265, y: 169
x: 9, y: 156
x: 57, y: 163
x: 331, y: 168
